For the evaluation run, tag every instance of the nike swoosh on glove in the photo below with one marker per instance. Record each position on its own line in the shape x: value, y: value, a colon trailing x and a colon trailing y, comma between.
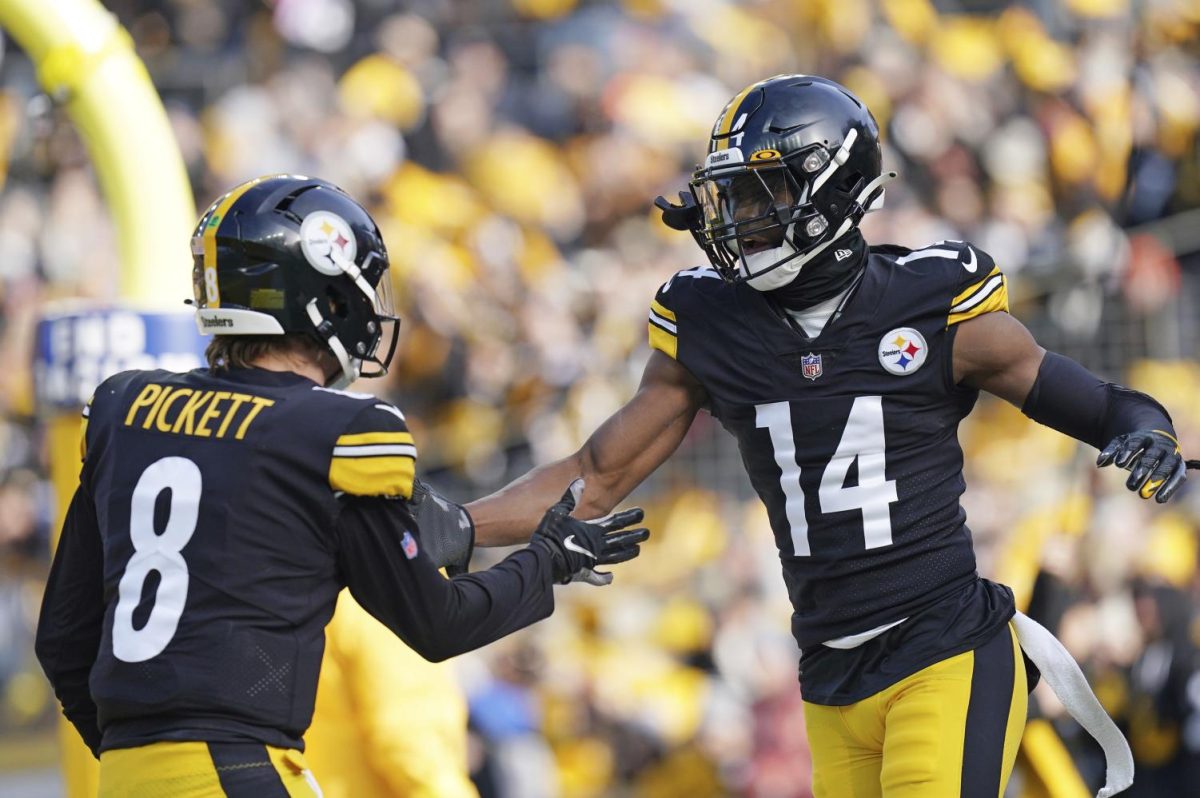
x: 577, y: 547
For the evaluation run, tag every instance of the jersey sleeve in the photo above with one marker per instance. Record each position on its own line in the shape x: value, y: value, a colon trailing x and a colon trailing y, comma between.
x: 375, y: 455
x: 664, y: 332
x: 71, y: 622
x: 979, y: 290
x: 395, y: 581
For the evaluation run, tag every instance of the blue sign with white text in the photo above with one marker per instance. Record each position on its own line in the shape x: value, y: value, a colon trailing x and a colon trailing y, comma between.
x: 78, y: 349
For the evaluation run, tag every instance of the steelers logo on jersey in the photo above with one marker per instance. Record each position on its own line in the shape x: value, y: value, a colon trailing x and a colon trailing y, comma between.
x: 902, y: 351
x: 327, y: 240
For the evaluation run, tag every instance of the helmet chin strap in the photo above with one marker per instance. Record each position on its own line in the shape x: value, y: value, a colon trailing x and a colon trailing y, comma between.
x: 789, y: 261
x: 349, y: 366
x: 786, y: 271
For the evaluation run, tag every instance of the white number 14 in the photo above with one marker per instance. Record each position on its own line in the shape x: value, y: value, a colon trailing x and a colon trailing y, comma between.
x: 862, y: 440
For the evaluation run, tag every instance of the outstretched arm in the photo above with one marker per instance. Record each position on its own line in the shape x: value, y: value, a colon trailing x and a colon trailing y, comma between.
x: 994, y: 352
x: 394, y: 579
x: 622, y: 452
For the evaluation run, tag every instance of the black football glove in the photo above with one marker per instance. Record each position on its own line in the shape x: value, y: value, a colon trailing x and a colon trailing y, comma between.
x: 1152, y: 457
x: 577, y: 547
x: 444, y: 528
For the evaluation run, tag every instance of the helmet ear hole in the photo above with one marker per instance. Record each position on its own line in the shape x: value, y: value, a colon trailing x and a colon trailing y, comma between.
x: 336, y: 302
x: 850, y: 183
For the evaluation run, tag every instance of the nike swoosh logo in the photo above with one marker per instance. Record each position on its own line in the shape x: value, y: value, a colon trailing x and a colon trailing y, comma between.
x: 972, y: 264
x: 570, y: 543
x: 1151, y: 486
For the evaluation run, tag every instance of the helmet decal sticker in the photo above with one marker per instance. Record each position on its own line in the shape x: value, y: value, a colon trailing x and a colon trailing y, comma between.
x: 719, y: 157
x: 327, y: 241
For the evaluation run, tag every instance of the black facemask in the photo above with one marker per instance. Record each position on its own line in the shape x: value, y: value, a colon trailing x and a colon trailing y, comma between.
x: 825, y: 276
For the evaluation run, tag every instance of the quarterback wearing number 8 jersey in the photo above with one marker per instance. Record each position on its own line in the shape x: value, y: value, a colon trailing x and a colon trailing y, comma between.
x: 220, y: 512
x: 843, y: 371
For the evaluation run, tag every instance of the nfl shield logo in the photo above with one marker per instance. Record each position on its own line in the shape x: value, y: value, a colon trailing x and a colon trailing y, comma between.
x: 409, y: 544
x: 810, y: 366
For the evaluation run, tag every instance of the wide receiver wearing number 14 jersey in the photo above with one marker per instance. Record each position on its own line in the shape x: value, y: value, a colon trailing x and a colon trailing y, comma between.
x: 843, y: 370
x: 850, y: 440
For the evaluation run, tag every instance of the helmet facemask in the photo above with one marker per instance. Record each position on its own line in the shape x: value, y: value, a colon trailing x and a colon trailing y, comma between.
x: 793, y: 164
x: 353, y: 327
x: 762, y: 220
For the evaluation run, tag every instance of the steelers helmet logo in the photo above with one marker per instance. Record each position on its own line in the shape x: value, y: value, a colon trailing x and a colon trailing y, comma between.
x: 327, y: 240
x: 902, y: 351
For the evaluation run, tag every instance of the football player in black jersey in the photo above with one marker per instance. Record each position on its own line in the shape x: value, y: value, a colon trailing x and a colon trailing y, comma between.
x: 843, y: 370
x: 220, y: 511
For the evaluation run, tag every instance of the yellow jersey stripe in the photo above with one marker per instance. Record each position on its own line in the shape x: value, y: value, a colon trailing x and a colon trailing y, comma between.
x: 993, y: 300
x: 663, y: 341
x: 966, y: 293
x: 368, y: 438
x: 662, y: 310
x: 734, y: 104
x: 213, y: 296
x: 373, y: 476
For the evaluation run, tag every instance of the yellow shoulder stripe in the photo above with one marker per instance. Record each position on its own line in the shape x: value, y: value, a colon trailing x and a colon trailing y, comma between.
x: 663, y: 341
x: 366, y: 438
x: 966, y: 293
x: 662, y: 310
x: 373, y: 476
x: 988, y: 296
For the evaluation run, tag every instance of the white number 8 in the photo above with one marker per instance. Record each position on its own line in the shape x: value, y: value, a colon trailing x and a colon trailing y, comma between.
x: 153, y: 552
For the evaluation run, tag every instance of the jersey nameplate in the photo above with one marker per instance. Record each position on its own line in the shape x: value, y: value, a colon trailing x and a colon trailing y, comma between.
x: 202, y: 414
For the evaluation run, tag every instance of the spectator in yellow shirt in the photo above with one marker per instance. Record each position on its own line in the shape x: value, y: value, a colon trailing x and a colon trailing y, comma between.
x: 387, y: 722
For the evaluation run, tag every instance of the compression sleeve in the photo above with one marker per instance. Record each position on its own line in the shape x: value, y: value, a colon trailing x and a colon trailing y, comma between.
x: 72, y: 616
x: 392, y: 577
x: 1072, y: 400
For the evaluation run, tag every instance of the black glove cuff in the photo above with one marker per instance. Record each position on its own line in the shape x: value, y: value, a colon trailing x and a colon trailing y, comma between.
x: 560, y: 563
x: 444, y: 528
x: 1069, y: 398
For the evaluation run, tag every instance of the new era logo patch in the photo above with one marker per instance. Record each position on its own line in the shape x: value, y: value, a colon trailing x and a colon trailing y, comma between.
x: 842, y: 254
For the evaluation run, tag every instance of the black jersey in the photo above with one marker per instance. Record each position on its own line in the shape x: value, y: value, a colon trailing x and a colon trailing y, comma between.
x: 224, y: 513
x: 849, y: 438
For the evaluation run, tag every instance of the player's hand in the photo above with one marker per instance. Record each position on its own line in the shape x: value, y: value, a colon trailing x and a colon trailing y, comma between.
x: 1152, y: 457
x: 577, y: 547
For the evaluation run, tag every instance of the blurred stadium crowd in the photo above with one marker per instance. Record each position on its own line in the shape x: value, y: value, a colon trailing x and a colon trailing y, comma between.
x: 510, y: 150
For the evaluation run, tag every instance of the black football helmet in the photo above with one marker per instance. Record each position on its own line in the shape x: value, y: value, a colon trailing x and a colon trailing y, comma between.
x: 793, y: 164
x: 289, y: 254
